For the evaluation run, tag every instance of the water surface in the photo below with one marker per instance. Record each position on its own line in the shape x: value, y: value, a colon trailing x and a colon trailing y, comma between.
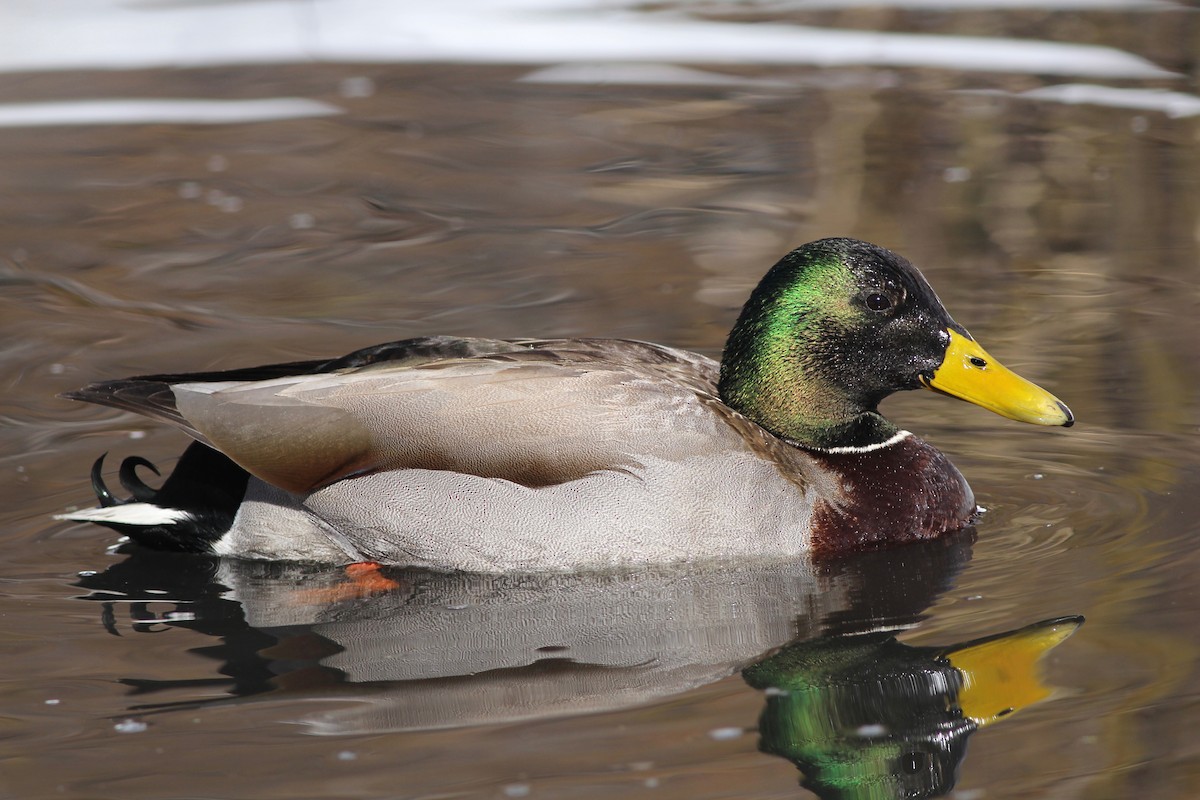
x: 639, y: 201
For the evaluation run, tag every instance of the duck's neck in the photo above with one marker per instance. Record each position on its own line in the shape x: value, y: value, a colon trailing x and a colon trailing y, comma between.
x: 868, y: 432
x: 805, y: 415
x: 771, y: 388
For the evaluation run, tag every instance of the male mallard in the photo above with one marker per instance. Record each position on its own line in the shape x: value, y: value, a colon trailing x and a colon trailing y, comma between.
x: 496, y: 455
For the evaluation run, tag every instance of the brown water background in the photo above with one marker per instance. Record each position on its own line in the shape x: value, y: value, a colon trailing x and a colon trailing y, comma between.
x: 467, y: 200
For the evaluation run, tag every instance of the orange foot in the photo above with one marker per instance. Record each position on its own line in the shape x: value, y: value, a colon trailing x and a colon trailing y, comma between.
x: 363, y: 579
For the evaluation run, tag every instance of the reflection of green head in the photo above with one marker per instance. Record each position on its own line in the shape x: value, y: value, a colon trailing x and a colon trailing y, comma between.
x: 863, y: 717
x: 869, y: 718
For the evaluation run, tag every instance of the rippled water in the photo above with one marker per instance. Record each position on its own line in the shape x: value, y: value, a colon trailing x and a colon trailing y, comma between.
x: 507, y: 201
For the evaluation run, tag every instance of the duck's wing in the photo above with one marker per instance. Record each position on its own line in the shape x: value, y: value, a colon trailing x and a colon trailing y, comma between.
x: 152, y: 396
x: 536, y: 412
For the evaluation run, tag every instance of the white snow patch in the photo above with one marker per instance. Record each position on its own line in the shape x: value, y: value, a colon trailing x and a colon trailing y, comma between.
x: 993, y: 5
x: 115, y: 34
x: 120, y: 111
x: 1173, y: 104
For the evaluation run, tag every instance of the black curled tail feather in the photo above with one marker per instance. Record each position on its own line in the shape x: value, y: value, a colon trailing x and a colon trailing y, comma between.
x: 206, y: 488
x: 102, y: 493
x: 132, y: 483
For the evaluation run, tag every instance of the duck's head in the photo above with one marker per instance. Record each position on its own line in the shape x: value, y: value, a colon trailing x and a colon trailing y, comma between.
x: 839, y: 324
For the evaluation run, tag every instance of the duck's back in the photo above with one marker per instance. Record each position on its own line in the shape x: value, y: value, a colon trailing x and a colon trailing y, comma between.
x: 491, y: 454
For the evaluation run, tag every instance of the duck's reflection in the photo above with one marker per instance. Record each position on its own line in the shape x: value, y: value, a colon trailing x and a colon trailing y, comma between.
x: 869, y: 718
x: 417, y: 650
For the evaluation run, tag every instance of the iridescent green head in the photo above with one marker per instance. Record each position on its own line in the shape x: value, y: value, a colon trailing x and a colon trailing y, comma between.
x: 839, y: 324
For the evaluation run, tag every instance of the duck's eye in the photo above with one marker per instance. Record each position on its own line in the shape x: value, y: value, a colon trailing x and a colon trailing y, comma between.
x: 877, y: 301
x: 912, y: 763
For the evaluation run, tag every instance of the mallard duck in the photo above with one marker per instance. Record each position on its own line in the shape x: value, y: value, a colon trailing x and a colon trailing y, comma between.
x: 550, y: 454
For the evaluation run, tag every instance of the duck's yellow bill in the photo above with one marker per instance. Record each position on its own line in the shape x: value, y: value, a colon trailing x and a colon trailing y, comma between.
x: 1000, y: 673
x: 969, y: 373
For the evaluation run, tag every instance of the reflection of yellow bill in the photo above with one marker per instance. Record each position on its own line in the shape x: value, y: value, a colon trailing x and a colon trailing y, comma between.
x: 1000, y: 674
x: 969, y: 373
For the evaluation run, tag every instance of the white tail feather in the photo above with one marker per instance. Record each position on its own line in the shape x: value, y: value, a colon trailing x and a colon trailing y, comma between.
x: 129, y: 514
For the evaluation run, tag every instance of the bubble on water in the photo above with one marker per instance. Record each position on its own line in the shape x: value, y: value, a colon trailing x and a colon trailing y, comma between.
x: 217, y: 164
x: 358, y: 86
x: 302, y: 221
x: 956, y: 174
x: 190, y: 190
x: 871, y: 731
x: 130, y: 726
x: 517, y: 790
x: 725, y: 734
x: 347, y: 755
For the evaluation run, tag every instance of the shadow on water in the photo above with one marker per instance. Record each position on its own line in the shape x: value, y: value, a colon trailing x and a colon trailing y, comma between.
x: 861, y: 714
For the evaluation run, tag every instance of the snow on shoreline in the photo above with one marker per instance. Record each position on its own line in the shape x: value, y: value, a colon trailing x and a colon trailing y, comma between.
x: 131, y: 34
